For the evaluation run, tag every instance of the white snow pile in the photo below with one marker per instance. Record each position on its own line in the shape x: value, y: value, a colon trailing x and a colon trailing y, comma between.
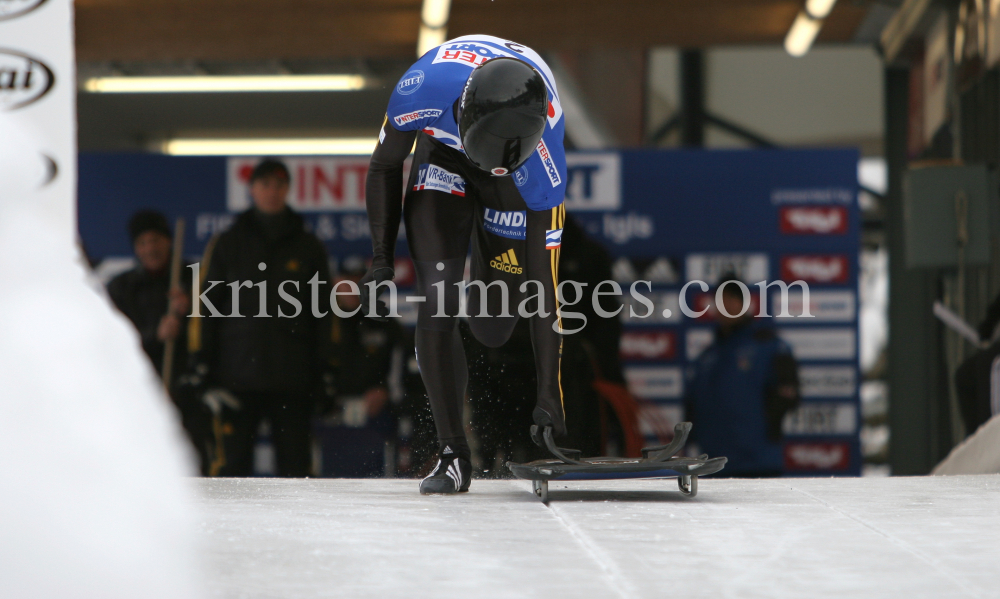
x: 93, y: 499
x: 979, y: 454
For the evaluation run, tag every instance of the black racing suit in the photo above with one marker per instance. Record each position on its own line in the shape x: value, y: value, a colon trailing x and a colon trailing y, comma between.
x: 439, y: 226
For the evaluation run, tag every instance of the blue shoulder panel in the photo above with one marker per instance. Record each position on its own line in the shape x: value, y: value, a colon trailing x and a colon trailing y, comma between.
x: 423, y: 99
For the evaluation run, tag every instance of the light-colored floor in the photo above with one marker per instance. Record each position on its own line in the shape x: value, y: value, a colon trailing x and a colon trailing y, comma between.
x: 847, y: 538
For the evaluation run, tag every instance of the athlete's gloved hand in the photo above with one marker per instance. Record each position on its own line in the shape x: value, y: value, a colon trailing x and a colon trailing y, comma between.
x: 378, y: 275
x: 550, y: 416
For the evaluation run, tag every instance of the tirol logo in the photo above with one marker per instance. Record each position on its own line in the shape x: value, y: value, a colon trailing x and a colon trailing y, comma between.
x: 815, y: 269
x: 23, y: 80
x: 659, y: 345
x: 814, y: 220
x: 10, y: 9
x: 511, y: 225
x: 507, y: 262
x: 521, y: 176
x: 410, y: 82
x: 817, y: 456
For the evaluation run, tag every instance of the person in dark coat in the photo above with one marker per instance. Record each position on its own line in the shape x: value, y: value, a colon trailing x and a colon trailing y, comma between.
x: 143, y: 293
x: 265, y: 345
x: 158, y: 312
x: 739, y: 390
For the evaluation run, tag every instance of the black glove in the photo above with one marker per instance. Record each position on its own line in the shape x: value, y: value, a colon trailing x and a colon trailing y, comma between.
x: 193, y: 383
x: 191, y: 387
x: 378, y: 275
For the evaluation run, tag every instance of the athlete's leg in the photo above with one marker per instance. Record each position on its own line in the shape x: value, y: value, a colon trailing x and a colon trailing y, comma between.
x: 509, y: 245
x: 437, y: 229
x: 444, y: 371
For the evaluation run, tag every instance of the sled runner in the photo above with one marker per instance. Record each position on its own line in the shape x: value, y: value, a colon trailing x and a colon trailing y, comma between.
x: 656, y: 462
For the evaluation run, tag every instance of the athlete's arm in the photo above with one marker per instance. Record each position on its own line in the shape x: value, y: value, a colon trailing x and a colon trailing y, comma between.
x: 384, y: 192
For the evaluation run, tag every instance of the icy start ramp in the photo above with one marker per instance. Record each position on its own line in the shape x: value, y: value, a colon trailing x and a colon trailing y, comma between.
x: 884, y: 537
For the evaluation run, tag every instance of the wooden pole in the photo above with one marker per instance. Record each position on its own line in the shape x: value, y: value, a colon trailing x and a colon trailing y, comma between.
x: 175, y: 279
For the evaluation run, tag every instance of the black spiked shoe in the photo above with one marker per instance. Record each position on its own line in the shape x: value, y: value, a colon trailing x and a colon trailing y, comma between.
x: 452, y: 474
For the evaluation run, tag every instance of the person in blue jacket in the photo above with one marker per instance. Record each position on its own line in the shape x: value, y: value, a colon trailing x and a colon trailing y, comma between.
x: 489, y: 167
x: 739, y: 390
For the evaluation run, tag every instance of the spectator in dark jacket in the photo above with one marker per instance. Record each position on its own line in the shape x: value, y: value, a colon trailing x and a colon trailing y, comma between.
x: 265, y: 344
x: 739, y: 391
x: 143, y: 294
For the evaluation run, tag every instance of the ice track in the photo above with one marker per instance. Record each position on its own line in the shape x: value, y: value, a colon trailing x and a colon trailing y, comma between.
x: 885, y: 537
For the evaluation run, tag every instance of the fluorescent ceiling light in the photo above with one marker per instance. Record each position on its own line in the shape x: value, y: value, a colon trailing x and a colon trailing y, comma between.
x: 433, y: 25
x: 429, y: 38
x: 225, y: 83
x: 802, y: 34
x: 435, y: 13
x: 363, y: 146
x: 819, y: 9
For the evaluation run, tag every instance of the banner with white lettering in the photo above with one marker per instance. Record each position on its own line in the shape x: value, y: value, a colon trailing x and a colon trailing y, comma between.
x: 771, y: 218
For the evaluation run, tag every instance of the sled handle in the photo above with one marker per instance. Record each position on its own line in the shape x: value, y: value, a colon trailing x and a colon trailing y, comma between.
x: 554, y: 449
x: 665, y: 452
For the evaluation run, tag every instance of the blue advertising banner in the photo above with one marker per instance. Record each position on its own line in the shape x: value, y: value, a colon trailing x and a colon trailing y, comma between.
x: 667, y: 217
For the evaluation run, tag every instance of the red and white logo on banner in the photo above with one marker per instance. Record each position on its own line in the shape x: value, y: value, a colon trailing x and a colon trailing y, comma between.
x: 653, y: 345
x: 814, y: 220
x: 815, y: 269
x: 319, y: 184
x: 817, y: 456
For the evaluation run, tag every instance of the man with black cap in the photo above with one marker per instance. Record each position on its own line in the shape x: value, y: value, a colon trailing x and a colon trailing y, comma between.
x: 266, y: 352
x: 489, y: 165
x: 143, y: 294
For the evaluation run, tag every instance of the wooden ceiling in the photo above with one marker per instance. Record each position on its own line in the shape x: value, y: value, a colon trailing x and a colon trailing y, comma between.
x: 238, y: 30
